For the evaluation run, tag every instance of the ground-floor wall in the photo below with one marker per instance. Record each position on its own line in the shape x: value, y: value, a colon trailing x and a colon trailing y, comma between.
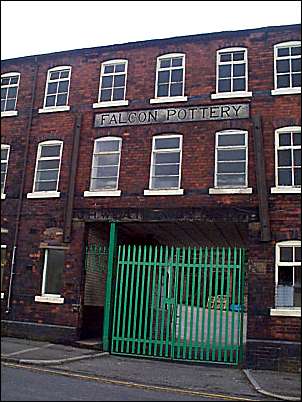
x: 272, y: 341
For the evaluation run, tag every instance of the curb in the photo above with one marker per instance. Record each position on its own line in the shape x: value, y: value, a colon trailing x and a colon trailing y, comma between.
x: 50, y: 362
x: 262, y: 391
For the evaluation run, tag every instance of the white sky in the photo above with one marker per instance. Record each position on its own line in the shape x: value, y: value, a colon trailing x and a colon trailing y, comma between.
x: 35, y: 27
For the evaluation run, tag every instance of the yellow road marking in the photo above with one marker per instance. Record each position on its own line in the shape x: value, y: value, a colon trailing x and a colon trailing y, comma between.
x: 131, y: 384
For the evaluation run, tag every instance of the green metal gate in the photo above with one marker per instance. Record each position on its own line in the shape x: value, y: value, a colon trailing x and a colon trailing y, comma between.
x: 179, y: 303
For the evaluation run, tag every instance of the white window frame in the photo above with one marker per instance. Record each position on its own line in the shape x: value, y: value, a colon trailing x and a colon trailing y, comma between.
x: 232, y: 94
x: 289, y: 90
x: 46, y: 193
x: 2, y: 293
x: 224, y: 189
x: 164, y: 99
x: 168, y: 191
x: 106, y: 192
x: 63, y: 108
x: 122, y: 102
x: 285, y: 311
x: 285, y: 189
x: 5, y: 146
x: 48, y: 297
x: 8, y: 113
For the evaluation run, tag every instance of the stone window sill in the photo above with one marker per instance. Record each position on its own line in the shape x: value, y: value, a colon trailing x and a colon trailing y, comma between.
x: 49, y: 299
x: 105, y: 193
x: 287, y: 312
x: 109, y: 104
x: 247, y: 190
x: 44, y: 194
x: 286, y: 190
x: 179, y: 191
x: 9, y: 113
x: 286, y: 91
x: 169, y: 99
x: 223, y: 95
x: 54, y: 109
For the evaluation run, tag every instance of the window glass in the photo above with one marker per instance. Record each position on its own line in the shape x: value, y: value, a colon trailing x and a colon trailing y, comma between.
x: 57, y: 88
x: 288, y: 66
x: 4, y: 165
x: 288, y: 158
x: 47, y: 167
x: 3, y: 263
x: 170, y: 76
x: 232, y: 67
x: 113, y: 82
x: 105, y: 164
x: 53, y: 271
x: 9, y: 92
x: 166, y: 159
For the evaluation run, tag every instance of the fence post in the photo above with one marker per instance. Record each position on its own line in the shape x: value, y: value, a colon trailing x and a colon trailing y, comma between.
x: 108, y: 304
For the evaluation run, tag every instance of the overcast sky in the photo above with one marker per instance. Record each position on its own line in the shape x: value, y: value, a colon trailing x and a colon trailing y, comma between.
x: 35, y: 27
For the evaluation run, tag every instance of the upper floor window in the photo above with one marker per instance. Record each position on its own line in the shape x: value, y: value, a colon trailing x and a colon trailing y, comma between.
x: 232, y: 73
x: 288, y: 274
x: 170, y: 78
x: 166, y: 162
x: 57, y: 88
x: 4, y: 164
x: 288, y: 159
x: 9, y: 93
x: 287, y: 67
x: 231, y: 159
x: 106, y: 164
x: 48, y: 165
x: 113, y: 83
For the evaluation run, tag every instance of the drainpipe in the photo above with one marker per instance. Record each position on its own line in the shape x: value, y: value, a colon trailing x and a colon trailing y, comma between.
x: 19, y: 208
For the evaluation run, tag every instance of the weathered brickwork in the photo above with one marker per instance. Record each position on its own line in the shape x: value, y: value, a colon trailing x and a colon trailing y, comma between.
x: 39, y: 216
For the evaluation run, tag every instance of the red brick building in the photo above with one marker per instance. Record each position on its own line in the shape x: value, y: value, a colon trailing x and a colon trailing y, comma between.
x: 190, y: 142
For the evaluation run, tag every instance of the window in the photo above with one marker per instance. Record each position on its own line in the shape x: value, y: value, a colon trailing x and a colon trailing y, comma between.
x: 9, y: 93
x: 287, y: 66
x: 288, y: 159
x: 170, y: 78
x: 113, y: 83
x: 57, y: 89
x: 288, y: 274
x: 166, y: 162
x: 106, y: 164
x: 231, y: 159
x: 232, y: 73
x: 3, y: 264
x: 52, y: 272
x: 4, y: 164
x: 48, y: 167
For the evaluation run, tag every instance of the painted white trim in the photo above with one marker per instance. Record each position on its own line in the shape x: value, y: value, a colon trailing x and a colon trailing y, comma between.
x: 286, y: 91
x: 9, y: 113
x: 105, y: 193
x: 44, y: 194
x: 289, y: 90
x: 167, y: 99
x: 2, y: 295
x: 52, y: 109
x: 103, y: 65
x: 3, y: 147
x: 222, y: 95
x: 245, y: 93
x: 3, y: 196
x: 179, y: 191
x: 110, y: 104
x: 246, y: 190
x: 285, y: 190
x: 290, y: 312
x: 58, y: 108
x: 49, y: 299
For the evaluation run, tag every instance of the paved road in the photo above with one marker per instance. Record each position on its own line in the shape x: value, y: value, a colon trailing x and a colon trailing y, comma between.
x: 25, y: 384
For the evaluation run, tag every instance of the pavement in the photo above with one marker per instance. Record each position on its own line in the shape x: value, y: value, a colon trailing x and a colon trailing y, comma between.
x: 255, y: 385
